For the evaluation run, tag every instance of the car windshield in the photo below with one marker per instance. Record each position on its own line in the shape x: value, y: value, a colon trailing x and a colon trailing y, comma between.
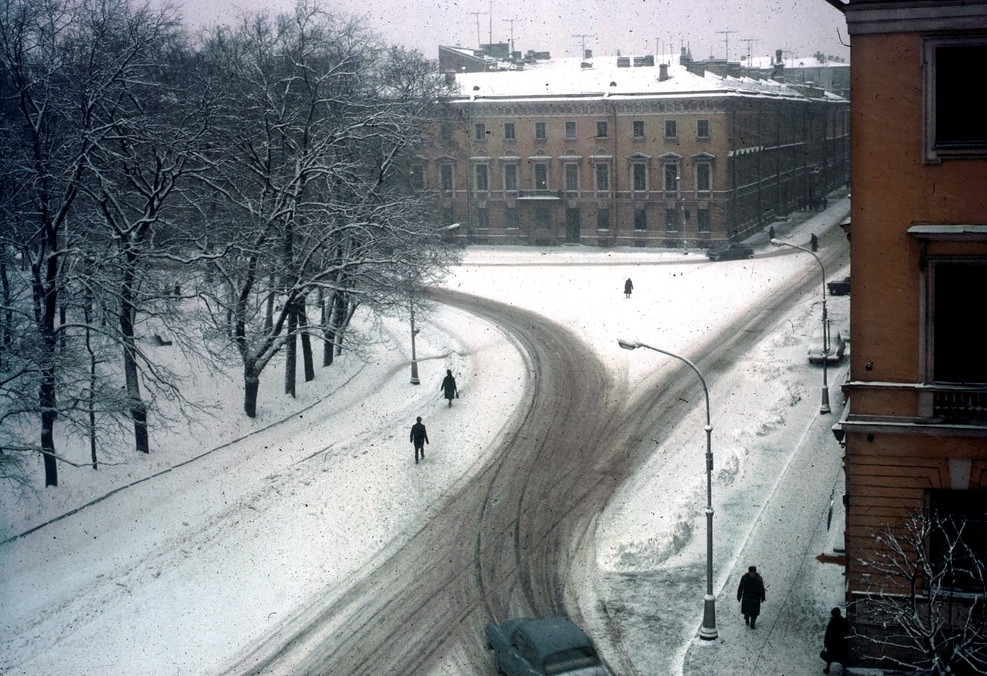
x: 566, y: 661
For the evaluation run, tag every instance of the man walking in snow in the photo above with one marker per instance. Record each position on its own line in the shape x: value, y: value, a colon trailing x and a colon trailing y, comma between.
x: 628, y: 287
x: 419, y: 437
x: 750, y: 593
x: 449, y: 387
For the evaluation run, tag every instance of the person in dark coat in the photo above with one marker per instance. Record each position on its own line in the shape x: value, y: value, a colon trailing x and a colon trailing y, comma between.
x: 628, y: 287
x: 835, y: 646
x: 814, y: 242
x: 419, y: 437
x: 750, y: 593
x: 448, y: 388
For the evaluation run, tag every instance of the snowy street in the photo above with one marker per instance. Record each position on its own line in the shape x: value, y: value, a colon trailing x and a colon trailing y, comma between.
x: 249, y: 544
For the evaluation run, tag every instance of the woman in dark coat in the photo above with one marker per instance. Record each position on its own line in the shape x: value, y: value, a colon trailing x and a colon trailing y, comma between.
x: 835, y: 641
x: 449, y: 389
x: 750, y: 593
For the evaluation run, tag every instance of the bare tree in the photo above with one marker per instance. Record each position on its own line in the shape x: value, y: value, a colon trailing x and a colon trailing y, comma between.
x: 928, y: 610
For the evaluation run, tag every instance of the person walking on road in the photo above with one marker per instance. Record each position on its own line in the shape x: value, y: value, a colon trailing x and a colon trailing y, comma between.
x: 449, y: 389
x: 835, y: 646
x: 628, y: 287
x: 419, y: 437
x: 750, y: 593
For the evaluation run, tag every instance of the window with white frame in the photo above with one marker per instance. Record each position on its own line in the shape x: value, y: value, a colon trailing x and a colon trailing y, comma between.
x: 704, y: 181
x: 671, y: 177
x: 702, y: 220
x: 570, y: 131
x: 541, y: 132
x: 638, y: 129
x: 672, y: 220
x: 602, y: 170
x: 510, y: 177
x: 541, y: 176
x: 639, y: 176
x: 479, y: 132
x: 702, y: 128
x: 445, y: 178
x: 571, y: 176
x: 481, y: 172
x: 509, y: 131
x: 671, y: 129
x: 602, y: 129
x: 482, y: 218
x: 640, y: 218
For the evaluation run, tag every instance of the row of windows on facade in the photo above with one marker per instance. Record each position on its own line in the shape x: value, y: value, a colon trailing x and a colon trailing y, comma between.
x: 570, y: 176
x: 540, y: 130
x: 542, y: 219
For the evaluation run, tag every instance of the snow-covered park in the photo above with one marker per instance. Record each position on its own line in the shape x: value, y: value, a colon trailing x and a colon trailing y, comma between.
x: 173, y: 563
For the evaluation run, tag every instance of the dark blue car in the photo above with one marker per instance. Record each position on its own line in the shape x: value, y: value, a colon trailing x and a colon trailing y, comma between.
x: 543, y: 646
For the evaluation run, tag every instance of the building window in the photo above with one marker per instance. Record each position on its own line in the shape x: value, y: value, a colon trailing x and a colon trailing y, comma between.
x: 670, y: 129
x: 543, y: 219
x: 480, y: 132
x: 639, y: 172
x: 955, y: 123
x: 541, y: 176
x: 511, y: 219
x: 640, y: 218
x: 571, y: 176
x: 702, y: 128
x: 540, y: 132
x: 957, y: 294
x: 602, y: 177
x: 481, y: 173
x: 482, y: 219
x: 417, y: 177
x: 702, y: 220
x: 672, y: 220
x: 448, y: 215
x: 510, y: 177
x: 509, y: 131
x: 671, y: 177
x: 601, y: 130
x: 445, y: 132
x: 602, y: 219
x: 638, y: 129
x: 703, y: 180
x: 570, y: 131
x: 958, y: 539
x: 445, y: 178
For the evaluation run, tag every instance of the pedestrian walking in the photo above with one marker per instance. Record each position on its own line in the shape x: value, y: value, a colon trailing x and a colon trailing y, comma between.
x: 449, y: 389
x: 628, y: 287
x: 419, y: 437
x: 771, y: 232
x: 814, y: 242
x: 750, y: 593
x: 835, y: 646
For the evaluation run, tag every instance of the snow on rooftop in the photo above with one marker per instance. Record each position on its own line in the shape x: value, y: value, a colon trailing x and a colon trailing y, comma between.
x: 603, y: 78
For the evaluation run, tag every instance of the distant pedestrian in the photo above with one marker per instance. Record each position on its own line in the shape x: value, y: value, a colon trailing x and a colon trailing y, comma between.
x: 835, y: 646
x: 419, y: 437
x: 814, y: 242
x: 750, y: 593
x: 771, y: 232
x: 449, y: 389
x: 628, y: 287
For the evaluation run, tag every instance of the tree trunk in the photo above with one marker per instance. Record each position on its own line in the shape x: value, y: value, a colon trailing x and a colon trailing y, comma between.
x: 291, y: 349
x: 306, y: 342
x: 251, y: 384
x: 326, y: 334
x: 138, y: 410
x: 48, y: 415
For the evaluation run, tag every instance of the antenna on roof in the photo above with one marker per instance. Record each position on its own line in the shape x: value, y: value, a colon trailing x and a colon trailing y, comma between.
x: 511, y: 21
x: 726, y: 38
x: 583, y: 36
x: 478, y: 15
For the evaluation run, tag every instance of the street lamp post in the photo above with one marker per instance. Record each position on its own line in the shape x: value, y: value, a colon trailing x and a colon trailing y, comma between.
x: 824, y: 406
x: 414, y: 361
x: 708, y: 630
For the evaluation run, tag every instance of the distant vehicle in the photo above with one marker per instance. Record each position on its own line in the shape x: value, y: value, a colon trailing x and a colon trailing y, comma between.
x: 730, y: 252
x: 837, y: 348
x: 839, y: 287
x: 543, y: 646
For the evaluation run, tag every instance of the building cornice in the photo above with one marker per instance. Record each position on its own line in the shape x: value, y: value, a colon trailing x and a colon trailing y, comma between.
x: 871, y: 18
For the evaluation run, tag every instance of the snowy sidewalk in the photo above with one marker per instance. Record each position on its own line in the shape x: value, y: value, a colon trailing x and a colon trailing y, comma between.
x: 801, y: 588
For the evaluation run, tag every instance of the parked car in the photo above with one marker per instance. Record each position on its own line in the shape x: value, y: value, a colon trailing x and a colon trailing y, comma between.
x: 840, y: 287
x: 543, y: 646
x: 730, y: 252
x: 837, y: 348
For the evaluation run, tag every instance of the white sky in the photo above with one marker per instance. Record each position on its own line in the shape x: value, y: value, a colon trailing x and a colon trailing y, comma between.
x: 632, y: 27
x: 183, y: 571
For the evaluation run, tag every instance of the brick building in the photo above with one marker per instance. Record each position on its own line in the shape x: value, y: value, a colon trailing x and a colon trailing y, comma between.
x: 915, y: 430
x: 624, y: 151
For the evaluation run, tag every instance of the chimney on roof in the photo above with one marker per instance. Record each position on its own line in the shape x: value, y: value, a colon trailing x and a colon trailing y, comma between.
x: 587, y: 55
x: 777, y: 56
x: 662, y: 72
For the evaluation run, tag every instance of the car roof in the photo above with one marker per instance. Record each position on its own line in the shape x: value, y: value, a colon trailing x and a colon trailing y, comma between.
x: 551, y: 634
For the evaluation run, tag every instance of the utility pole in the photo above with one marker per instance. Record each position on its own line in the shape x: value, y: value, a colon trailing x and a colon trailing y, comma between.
x: 749, y: 42
x: 511, y: 21
x: 583, y: 36
x: 478, y: 15
x: 726, y: 38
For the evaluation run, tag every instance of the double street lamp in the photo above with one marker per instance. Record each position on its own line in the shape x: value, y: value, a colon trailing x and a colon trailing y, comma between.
x: 708, y: 630
x: 824, y: 406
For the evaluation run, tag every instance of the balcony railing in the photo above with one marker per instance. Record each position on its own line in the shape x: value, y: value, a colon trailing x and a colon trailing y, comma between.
x: 960, y: 404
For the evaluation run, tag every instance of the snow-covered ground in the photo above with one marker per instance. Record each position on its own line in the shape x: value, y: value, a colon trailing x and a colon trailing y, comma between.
x: 174, y: 562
